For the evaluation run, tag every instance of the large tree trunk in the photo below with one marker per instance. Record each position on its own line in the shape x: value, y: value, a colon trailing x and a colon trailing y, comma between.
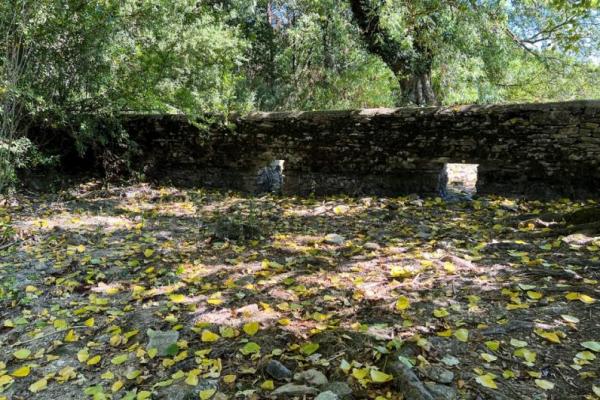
x: 416, y: 89
x: 413, y: 73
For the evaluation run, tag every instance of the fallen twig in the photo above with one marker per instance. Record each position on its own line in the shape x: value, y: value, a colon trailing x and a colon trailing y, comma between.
x: 49, y: 334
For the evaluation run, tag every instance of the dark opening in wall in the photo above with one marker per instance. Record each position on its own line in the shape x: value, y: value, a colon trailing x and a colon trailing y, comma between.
x: 270, y: 177
x: 459, y: 180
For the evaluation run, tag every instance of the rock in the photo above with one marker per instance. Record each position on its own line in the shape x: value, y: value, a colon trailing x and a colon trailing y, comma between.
x: 438, y: 374
x: 578, y: 239
x: 450, y: 360
x: 311, y: 377
x: 334, y: 238
x: 291, y: 389
x: 407, y: 382
x: 277, y: 370
x: 441, y: 392
x: 417, y: 202
x: 371, y: 246
x: 327, y: 396
x: 182, y: 391
x: 161, y: 340
x: 341, y: 389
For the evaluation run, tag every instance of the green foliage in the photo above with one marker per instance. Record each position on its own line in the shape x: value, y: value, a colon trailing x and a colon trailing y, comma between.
x: 80, y: 64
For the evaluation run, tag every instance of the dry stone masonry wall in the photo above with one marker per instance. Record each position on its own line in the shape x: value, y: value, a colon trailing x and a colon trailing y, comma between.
x: 528, y: 149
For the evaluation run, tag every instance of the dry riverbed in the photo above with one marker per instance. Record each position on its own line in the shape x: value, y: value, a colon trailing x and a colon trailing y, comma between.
x: 138, y: 292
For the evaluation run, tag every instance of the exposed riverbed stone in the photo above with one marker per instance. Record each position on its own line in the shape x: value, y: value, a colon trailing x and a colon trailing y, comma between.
x: 162, y: 341
x: 277, y: 370
x: 311, y: 377
x: 291, y: 389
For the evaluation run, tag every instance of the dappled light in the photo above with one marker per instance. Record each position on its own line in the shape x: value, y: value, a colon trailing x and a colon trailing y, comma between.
x: 106, y: 284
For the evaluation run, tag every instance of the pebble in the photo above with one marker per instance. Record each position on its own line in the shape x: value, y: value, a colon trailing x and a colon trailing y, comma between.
x: 277, y: 370
x: 291, y: 389
x: 439, y: 374
x: 328, y: 395
x: 334, y: 238
x: 311, y: 377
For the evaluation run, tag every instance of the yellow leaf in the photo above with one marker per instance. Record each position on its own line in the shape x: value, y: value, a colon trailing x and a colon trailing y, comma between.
x: 488, y: 357
x: 148, y: 253
x: 30, y: 289
x: 83, y: 355
x: 570, y: 318
x: 400, y: 272
x: 207, y: 394
x: 440, y: 313
x: 108, y: 375
x: 360, y: 373
x: 446, y: 333
x: 309, y: 348
x: 526, y: 354
x: 462, y: 335
x: 117, y: 386
x: 229, y: 379
x: 251, y: 328
x: 71, y: 336
x: 517, y: 343
x: 584, y: 298
x: 402, y: 303
x: 507, y: 374
x: 192, y: 378
x: 22, y: 354
x: 120, y: 359
x: 380, y: 377
x: 487, y: 380
x: 5, y: 380
x: 449, y: 267
x: 38, y: 386
x: 143, y: 395
x: 586, y: 355
x: 492, y: 345
x: 21, y: 372
x: 115, y: 340
x: 267, y: 385
x: 152, y: 352
x: 550, y: 336
x: 178, y: 375
x: 133, y: 374
x: 534, y: 295
x: 94, y: 360
x: 65, y: 374
x: 208, y: 336
x: 60, y: 324
x: 89, y: 322
x: 177, y: 298
x: 544, y: 384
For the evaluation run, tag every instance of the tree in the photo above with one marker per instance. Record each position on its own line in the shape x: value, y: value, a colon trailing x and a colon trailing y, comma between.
x: 412, y: 37
x: 412, y: 68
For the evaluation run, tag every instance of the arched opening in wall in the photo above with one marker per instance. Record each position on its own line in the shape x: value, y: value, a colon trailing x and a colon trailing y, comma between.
x: 459, y: 180
x: 269, y: 178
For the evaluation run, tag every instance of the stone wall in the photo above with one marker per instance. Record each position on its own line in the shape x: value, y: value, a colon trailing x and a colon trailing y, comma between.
x: 529, y: 149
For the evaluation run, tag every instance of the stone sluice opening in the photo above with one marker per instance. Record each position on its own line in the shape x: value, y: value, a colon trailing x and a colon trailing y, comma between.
x: 269, y: 178
x: 459, y: 180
